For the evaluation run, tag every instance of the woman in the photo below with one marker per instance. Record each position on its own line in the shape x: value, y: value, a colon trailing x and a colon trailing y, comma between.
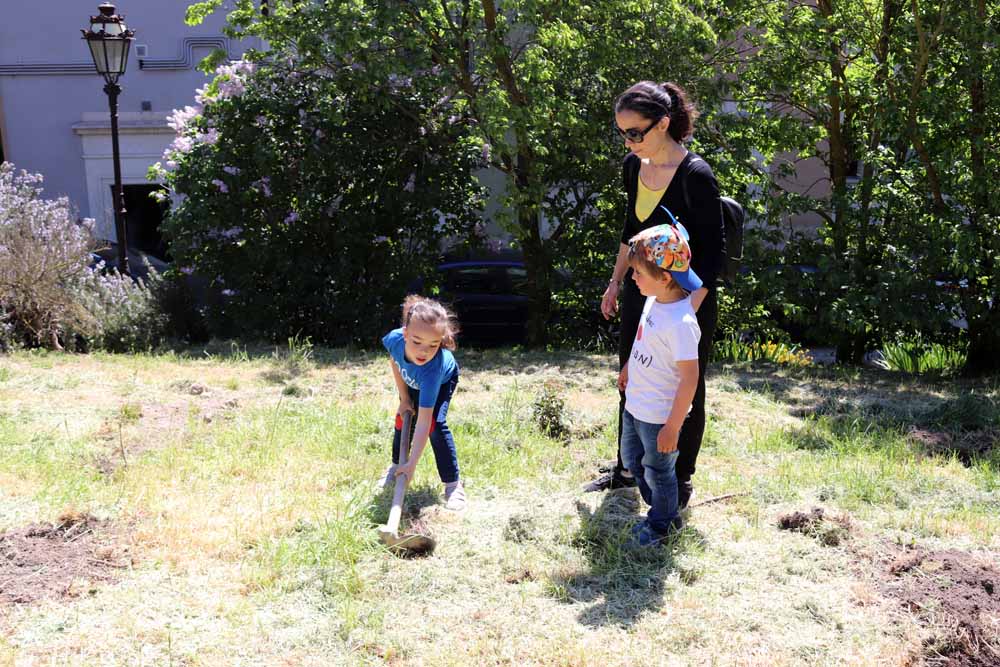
x: 660, y: 174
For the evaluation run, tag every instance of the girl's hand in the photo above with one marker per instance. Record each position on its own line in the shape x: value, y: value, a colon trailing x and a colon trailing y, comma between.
x: 407, y: 470
x: 666, y: 439
x: 623, y: 378
x: 609, y: 302
x: 405, y: 405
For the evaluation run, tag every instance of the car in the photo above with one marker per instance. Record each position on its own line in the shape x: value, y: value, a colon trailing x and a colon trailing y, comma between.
x: 489, y: 297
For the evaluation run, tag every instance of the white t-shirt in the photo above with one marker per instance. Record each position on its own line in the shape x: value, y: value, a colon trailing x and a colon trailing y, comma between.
x: 668, y: 333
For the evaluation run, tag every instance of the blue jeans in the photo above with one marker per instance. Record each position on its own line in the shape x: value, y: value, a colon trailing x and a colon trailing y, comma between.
x: 654, y: 472
x: 442, y: 443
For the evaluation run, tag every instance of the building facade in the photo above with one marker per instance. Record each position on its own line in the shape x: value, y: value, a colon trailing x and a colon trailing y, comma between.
x: 54, y: 116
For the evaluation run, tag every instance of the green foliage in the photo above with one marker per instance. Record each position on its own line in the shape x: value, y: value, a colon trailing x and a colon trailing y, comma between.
x: 908, y: 91
x: 311, y: 196
x: 918, y: 357
x: 735, y: 350
x: 49, y: 295
x: 531, y: 87
x: 128, y: 315
x: 548, y: 410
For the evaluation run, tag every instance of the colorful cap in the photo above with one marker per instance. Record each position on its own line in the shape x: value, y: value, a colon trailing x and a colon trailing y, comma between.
x: 667, y: 247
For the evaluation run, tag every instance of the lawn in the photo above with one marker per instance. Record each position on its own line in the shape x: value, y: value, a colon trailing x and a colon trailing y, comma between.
x: 216, y: 506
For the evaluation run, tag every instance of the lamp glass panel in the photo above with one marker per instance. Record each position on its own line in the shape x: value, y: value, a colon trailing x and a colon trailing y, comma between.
x: 98, y: 53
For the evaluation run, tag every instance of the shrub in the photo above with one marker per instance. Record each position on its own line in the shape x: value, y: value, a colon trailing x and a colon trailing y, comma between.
x: 49, y: 294
x: 916, y: 356
x: 128, y: 316
x: 310, y: 200
x: 44, y: 251
x: 733, y: 349
x: 548, y: 409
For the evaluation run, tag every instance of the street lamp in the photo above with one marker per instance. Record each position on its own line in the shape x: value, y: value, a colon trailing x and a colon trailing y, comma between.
x: 109, y: 40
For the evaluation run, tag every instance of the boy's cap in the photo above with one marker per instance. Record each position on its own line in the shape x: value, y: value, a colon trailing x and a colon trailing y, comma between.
x: 667, y: 247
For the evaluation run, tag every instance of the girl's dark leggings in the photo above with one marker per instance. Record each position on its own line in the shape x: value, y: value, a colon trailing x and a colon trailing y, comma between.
x: 442, y: 443
x: 689, y: 441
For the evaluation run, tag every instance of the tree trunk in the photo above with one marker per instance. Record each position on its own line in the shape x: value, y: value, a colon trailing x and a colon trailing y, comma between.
x: 538, y: 267
x: 984, y: 319
x: 984, y: 344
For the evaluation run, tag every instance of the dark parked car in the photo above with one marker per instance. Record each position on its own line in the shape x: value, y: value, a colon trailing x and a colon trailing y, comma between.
x: 489, y: 298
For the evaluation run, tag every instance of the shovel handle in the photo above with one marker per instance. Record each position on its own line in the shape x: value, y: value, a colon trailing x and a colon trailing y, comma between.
x: 396, y: 512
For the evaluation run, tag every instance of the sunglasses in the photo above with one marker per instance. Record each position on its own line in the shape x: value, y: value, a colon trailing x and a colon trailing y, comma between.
x: 635, y: 135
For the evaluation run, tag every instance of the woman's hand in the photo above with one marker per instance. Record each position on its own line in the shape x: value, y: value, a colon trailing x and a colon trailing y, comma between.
x: 609, y: 302
x: 623, y: 378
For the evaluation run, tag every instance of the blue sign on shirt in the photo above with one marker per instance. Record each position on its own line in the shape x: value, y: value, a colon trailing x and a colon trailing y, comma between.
x: 427, y: 379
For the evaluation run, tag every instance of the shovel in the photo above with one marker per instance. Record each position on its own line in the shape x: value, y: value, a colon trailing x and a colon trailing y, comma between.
x: 406, y: 543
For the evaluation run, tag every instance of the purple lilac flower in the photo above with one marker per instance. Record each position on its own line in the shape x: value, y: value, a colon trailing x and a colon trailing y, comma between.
x: 292, y: 217
x: 223, y: 188
x: 232, y: 171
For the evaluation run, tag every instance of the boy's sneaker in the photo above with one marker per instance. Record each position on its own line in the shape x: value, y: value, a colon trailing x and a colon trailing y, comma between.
x: 454, y: 496
x: 610, y: 480
x: 388, y: 478
x: 644, y: 536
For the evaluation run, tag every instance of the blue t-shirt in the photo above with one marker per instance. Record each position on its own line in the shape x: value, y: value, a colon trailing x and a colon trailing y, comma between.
x: 427, y: 379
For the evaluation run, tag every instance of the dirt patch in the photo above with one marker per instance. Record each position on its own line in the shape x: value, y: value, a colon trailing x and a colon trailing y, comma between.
x: 155, y: 425
x: 64, y: 559
x: 967, y: 446
x: 956, y: 595
x: 830, y: 531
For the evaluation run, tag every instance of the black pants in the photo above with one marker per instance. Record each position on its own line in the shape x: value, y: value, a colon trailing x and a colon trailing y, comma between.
x: 689, y: 441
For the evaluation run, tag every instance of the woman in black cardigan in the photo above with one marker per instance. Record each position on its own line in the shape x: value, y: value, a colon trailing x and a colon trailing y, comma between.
x: 655, y: 120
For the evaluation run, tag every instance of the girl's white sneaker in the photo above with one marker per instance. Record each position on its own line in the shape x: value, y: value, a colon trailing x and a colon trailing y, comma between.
x: 454, y: 496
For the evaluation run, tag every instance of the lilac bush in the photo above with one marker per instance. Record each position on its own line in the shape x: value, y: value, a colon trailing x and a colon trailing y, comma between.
x: 311, y: 196
x: 49, y: 294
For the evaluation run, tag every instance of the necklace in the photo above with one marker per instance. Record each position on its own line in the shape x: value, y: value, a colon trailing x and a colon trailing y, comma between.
x: 667, y: 165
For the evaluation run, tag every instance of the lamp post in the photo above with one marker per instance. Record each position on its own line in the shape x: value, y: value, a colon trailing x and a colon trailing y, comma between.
x: 109, y: 40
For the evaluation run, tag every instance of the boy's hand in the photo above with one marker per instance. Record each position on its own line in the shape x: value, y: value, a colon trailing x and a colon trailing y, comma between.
x: 666, y: 439
x: 623, y: 378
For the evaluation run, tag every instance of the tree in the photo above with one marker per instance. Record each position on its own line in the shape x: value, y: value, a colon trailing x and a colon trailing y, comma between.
x: 888, y: 83
x: 531, y: 82
x: 311, y: 189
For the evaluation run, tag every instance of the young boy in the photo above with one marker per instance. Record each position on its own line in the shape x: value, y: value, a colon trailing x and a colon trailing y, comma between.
x: 661, y: 376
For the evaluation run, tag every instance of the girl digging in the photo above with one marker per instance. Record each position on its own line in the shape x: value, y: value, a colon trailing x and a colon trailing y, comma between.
x: 426, y: 374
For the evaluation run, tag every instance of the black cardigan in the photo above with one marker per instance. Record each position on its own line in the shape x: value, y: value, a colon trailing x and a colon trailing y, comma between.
x: 702, y: 219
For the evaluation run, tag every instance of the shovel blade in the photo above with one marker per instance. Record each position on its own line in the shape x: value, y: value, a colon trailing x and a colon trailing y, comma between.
x: 406, y: 543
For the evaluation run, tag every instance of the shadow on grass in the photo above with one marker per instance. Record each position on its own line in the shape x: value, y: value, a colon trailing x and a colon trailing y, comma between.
x: 958, y: 418
x: 623, y: 582
x: 418, y: 497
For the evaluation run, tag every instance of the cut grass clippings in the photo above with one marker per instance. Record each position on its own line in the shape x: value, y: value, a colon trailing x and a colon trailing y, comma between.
x: 246, y: 479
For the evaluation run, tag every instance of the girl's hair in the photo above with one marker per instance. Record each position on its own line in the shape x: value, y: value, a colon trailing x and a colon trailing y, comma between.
x: 431, y: 312
x: 656, y: 100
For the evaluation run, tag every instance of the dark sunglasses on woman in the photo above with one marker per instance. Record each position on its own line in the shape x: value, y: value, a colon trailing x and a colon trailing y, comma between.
x: 633, y: 134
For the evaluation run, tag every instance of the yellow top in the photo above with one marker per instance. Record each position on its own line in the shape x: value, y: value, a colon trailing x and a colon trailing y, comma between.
x: 646, y: 200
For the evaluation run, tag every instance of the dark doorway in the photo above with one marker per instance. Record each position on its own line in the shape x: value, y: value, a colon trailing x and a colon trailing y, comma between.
x: 143, y: 218
x: 1, y: 145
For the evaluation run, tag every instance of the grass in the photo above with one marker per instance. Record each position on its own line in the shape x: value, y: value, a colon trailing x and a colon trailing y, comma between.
x: 242, y: 479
